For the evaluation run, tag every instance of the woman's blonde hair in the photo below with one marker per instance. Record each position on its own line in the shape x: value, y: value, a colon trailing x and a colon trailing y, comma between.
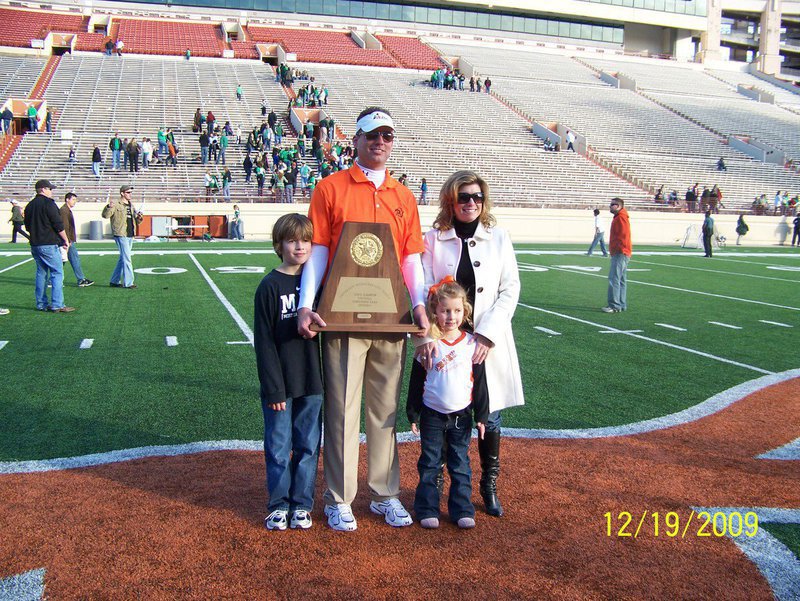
x: 447, y: 288
x: 449, y: 193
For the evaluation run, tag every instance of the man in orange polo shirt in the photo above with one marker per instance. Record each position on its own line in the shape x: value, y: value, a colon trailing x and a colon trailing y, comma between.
x: 619, y: 245
x: 363, y: 193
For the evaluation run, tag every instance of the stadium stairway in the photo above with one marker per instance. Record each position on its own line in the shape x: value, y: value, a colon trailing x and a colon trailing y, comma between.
x: 7, y: 147
x: 45, y: 77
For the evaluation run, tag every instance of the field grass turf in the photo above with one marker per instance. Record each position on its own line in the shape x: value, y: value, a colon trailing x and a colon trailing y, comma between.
x: 130, y: 389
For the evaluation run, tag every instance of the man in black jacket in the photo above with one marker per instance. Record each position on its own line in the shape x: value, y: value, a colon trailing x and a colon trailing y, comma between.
x: 43, y: 221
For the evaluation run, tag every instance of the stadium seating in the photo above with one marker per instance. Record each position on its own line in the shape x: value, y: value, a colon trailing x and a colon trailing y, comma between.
x: 410, y: 52
x: 19, y: 27
x: 244, y: 49
x: 322, y: 46
x: 18, y: 75
x: 170, y: 37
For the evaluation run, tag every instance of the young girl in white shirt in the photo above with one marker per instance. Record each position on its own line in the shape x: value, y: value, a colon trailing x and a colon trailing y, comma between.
x: 441, y: 403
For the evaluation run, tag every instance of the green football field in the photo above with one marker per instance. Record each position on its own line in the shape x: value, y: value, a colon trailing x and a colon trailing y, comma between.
x: 170, y: 362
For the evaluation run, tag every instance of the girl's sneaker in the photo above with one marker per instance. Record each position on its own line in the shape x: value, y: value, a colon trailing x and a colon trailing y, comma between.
x: 300, y: 519
x: 276, y: 520
x: 466, y: 522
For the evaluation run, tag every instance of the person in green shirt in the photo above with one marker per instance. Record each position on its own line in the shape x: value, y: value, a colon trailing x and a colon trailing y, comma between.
x: 239, y: 92
x: 162, y: 143
x: 33, y: 124
x: 260, y: 175
x: 223, y: 146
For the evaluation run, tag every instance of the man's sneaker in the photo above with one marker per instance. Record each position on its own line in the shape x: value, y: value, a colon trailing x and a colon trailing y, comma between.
x: 61, y: 309
x: 609, y: 310
x: 4, y: 311
x: 466, y: 522
x: 300, y: 519
x: 340, y: 517
x: 394, y: 512
x: 429, y: 523
x: 115, y: 285
x: 84, y: 283
x: 276, y: 520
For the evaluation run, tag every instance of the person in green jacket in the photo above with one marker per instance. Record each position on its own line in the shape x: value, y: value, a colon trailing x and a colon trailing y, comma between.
x: 33, y: 124
x: 741, y: 229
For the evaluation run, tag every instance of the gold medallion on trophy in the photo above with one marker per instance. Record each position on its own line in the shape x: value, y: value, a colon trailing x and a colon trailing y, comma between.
x: 366, y: 249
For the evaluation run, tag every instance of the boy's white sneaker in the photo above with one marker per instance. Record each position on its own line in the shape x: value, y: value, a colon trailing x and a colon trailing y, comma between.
x: 300, y: 519
x: 393, y: 511
x: 340, y: 517
x: 276, y: 520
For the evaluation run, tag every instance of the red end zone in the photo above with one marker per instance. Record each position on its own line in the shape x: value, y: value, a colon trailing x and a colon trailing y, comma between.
x: 190, y: 527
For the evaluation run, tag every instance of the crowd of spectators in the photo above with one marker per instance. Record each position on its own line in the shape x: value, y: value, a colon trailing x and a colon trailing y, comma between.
x: 445, y: 78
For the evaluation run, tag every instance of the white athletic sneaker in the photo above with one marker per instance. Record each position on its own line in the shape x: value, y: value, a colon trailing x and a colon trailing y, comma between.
x: 429, y: 522
x: 340, y: 517
x: 276, y: 520
x: 300, y: 519
x: 466, y: 522
x: 394, y: 512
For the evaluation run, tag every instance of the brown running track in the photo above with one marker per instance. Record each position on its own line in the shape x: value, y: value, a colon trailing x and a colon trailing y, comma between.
x: 190, y: 527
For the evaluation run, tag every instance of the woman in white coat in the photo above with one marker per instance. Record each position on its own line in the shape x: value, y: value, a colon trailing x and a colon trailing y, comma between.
x: 464, y: 243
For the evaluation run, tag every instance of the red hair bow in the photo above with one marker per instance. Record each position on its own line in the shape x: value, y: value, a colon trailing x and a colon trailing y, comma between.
x: 448, y: 279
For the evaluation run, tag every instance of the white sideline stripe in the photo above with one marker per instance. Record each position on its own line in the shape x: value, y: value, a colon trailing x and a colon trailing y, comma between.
x: 670, y: 327
x: 28, y: 586
x: 86, y: 343
x: 775, y: 323
x: 16, y: 265
x: 171, y: 340
x: 724, y: 325
x: 648, y: 339
x: 733, y: 298
x: 621, y: 331
x: 546, y: 331
x: 708, y: 407
x: 238, y: 342
x: 3, y: 343
x: 717, y: 271
x: 248, y: 333
x: 776, y: 562
x: 789, y: 451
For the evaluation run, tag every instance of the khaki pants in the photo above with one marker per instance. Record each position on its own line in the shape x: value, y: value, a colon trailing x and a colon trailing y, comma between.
x: 351, y: 361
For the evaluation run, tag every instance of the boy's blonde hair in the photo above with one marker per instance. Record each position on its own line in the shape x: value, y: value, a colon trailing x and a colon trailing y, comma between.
x: 292, y: 226
x: 447, y: 288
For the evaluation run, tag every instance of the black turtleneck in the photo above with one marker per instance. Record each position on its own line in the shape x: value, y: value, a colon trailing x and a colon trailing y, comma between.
x: 465, y: 274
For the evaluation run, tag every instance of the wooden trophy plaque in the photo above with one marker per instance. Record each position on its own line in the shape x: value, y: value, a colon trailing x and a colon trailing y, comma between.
x: 365, y: 291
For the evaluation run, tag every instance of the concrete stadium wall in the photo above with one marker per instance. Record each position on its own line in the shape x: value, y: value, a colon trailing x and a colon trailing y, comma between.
x: 525, y: 225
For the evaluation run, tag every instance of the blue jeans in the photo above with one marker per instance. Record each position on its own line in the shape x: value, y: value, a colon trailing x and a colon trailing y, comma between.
x: 48, y: 266
x: 115, y: 154
x: 457, y: 429
x: 32, y: 125
x: 124, y: 268
x: 598, y: 238
x: 75, y: 262
x: 618, y: 282
x: 96, y: 168
x: 204, y: 154
x: 291, y: 451
x: 162, y: 149
x: 221, y: 155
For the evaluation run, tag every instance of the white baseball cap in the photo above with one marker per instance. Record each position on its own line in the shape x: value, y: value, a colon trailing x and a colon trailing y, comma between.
x: 373, y: 121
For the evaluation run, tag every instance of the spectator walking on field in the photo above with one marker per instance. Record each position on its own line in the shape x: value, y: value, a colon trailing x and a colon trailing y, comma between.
x: 599, y: 233
x: 43, y: 221
x: 69, y: 228
x: 620, y: 247
x: 796, y: 231
x: 708, y: 231
x: 17, y: 222
x: 124, y: 219
x: 741, y: 229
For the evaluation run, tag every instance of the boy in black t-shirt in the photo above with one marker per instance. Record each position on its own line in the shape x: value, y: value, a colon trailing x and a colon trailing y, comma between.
x: 291, y: 381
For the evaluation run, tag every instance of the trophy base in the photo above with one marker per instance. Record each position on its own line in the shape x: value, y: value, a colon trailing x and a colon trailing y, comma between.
x: 390, y: 328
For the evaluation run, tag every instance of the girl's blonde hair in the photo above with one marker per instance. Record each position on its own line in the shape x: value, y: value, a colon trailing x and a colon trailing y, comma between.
x: 447, y: 288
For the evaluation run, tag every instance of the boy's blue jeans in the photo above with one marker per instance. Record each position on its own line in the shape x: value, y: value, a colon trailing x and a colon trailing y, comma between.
x: 434, y: 428
x: 291, y: 451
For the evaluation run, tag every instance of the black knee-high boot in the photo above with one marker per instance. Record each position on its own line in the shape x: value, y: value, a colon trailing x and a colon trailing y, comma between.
x: 489, y: 449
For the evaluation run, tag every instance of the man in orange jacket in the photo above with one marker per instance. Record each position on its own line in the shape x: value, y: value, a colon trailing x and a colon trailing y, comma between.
x: 619, y: 245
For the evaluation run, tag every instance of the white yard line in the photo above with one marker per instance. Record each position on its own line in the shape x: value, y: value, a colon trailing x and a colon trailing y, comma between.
x: 16, y: 265
x: 248, y: 333
x: 621, y: 331
x: 86, y: 343
x: 724, y: 325
x: 747, y: 275
x: 775, y: 323
x: 546, y: 331
x: 3, y: 343
x: 733, y: 298
x: 671, y: 327
x: 171, y: 340
x: 648, y: 339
